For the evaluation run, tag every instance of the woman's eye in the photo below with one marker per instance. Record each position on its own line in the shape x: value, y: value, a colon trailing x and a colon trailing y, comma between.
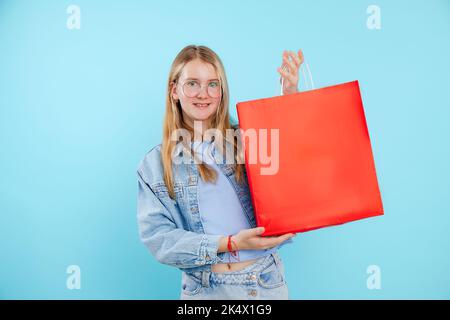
x: 213, y: 84
x: 192, y: 84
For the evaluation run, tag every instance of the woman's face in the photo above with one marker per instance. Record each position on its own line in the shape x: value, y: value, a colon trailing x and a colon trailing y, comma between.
x: 198, y: 89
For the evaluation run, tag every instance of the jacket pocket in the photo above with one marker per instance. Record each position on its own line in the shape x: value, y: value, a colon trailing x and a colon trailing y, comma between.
x: 162, y: 192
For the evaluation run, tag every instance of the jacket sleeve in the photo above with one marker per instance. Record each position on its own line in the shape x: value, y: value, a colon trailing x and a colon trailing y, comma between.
x: 167, y: 243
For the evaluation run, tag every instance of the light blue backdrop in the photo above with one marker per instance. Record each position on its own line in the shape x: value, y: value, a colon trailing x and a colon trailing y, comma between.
x: 80, y: 108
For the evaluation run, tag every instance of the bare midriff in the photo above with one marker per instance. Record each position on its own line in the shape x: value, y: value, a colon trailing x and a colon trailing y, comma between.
x: 229, y: 267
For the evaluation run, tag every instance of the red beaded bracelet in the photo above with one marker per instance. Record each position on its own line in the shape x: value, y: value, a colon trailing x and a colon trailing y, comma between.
x: 230, y: 249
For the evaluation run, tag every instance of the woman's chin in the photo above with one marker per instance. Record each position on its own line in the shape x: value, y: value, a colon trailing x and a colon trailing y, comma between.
x: 201, y: 116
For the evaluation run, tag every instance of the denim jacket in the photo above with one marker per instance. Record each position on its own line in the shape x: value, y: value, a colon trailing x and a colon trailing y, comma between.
x: 172, y: 229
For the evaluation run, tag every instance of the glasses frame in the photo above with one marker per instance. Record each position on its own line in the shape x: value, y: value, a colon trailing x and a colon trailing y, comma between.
x: 201, y: 87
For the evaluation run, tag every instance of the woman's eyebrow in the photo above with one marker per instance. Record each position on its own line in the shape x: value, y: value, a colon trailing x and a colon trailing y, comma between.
x: 199, y: 79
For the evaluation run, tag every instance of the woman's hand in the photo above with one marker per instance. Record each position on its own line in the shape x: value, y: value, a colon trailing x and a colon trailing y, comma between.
x: 289, y: 70
x: 251, y: 239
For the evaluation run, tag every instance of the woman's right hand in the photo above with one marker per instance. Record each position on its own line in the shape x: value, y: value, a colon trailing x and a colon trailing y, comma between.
x: 250, y: 239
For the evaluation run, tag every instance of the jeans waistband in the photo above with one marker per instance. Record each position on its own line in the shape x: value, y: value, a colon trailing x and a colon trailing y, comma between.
x: 247, y: 275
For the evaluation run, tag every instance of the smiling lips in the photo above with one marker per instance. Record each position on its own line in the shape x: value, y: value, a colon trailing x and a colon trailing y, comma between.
x: 201, y: 105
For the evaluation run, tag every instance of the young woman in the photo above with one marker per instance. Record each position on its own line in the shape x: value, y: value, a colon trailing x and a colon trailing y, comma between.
x: 197, y: 216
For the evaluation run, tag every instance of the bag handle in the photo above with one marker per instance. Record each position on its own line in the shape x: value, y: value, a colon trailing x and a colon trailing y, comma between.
x: 304, y: 76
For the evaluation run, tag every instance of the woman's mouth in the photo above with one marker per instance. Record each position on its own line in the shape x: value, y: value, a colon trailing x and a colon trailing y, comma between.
x: 202, y: 105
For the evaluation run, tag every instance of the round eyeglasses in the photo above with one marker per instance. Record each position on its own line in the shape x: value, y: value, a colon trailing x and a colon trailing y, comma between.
x: 192, y: 88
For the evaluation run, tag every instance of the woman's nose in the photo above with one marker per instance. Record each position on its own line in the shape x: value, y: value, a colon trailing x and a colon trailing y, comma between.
x: 203, y: 92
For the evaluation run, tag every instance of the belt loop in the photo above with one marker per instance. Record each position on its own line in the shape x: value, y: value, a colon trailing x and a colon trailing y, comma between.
x: 205, y: 278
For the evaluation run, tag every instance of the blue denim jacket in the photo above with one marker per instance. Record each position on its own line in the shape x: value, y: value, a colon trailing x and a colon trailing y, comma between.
x: 172, y: 229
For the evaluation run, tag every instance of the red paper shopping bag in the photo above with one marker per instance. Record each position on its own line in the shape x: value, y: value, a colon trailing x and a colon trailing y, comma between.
x: 326, y: 172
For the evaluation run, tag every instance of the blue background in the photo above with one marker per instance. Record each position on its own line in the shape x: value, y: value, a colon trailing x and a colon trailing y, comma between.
x: 80, y: 108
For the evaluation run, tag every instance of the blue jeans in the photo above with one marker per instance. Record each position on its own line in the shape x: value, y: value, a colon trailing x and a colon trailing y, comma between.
x: 262, y: 280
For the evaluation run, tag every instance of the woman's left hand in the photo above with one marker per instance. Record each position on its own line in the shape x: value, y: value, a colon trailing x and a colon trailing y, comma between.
x: 289, y: 70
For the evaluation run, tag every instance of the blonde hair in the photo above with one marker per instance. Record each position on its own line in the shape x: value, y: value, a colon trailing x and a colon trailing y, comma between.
x: 173, y: 119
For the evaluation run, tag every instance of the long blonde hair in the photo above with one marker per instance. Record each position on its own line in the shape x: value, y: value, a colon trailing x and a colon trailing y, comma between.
x: 173, y: 119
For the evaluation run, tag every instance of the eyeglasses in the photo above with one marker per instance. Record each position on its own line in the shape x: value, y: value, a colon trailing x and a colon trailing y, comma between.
x: 192, y: 88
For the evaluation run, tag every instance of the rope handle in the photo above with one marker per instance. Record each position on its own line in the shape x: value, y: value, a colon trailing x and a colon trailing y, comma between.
x: 284, y: 67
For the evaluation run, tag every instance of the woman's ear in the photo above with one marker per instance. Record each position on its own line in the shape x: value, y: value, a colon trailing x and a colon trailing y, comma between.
x: 173, y: 92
